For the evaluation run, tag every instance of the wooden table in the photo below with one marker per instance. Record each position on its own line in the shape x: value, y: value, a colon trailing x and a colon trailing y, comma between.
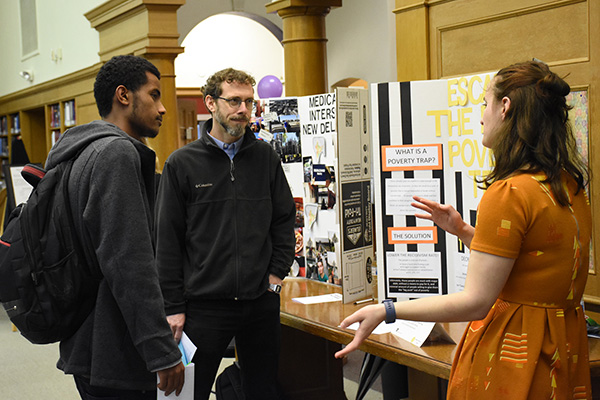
x: 311, y: 336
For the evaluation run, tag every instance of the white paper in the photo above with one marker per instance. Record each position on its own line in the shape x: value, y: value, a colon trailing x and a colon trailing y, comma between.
x: 188, y: 349
x: 417, y: 333
x: 380, y: 329
x: 399, y: 194
x: 187, y: 392
x: 412, y: 274
x: 461, y: 264
x: 265, y: 135
x: 414, y: 332
x: 439, y: 333
x: 270, y: 116
x: 325, y: 298
x: 21, y: 188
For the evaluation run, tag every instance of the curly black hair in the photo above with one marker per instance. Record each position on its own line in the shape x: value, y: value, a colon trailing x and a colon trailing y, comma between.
x: 127, y: 70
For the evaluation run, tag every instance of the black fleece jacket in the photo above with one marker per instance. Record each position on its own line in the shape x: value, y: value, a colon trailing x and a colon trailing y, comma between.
x: 222, y: 225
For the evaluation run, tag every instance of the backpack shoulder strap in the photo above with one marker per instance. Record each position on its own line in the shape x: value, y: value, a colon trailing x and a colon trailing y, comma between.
x: 89, y: 257
x: 33, y: 174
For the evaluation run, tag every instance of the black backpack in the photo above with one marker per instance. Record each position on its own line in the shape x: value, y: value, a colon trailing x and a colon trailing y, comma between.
x: 46, y: 285
x: 229, y: 384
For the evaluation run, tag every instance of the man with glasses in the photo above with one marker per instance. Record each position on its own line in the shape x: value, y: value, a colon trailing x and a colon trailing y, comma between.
x: 225, y: 240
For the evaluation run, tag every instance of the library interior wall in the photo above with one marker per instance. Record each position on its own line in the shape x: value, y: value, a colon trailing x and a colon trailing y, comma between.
x: 195, y: 11
x: 243, y: 44
x: 362, y: 41
x: 361, y: 35
x: 61, y: 26
x: 361, y: 38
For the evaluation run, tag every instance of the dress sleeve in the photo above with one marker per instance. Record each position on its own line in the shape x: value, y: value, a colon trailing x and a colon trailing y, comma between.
x: 501, y: 220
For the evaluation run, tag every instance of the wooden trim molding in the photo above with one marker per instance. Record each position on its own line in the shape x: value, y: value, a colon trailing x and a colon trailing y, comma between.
x: 510, y: 14
x: 403, y: 6
x: 64, y: 87
x: 189, y: 92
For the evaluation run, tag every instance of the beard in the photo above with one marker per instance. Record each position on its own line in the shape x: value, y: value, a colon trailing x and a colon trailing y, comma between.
x: 143, y: 130
x: 236, y: 130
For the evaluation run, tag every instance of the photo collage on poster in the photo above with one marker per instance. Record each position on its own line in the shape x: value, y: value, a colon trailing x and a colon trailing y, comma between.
x: 302, y: 131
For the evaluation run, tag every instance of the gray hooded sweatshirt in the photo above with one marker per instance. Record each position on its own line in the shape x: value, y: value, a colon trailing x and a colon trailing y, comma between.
x: 111, y: 188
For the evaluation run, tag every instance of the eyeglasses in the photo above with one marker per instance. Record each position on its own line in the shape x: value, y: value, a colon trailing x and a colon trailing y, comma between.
x: 235, y: 102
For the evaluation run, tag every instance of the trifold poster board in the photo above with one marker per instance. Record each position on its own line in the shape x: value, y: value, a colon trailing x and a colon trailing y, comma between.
x: 426, y: 142
x: 324, y: 144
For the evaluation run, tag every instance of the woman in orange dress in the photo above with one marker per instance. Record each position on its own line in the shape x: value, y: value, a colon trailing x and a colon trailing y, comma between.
x: 529, y: 253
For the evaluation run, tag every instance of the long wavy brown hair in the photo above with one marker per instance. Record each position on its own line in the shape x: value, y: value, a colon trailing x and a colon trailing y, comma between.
x: 536, y: 135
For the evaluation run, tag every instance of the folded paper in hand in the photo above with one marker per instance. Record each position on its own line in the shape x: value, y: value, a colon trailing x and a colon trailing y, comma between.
x: 188, y: 349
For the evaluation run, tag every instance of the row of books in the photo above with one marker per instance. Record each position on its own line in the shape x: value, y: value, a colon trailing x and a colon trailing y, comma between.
x: 3, y: 146
x: 55, y: 115
x: 55, y: 118
x: 69, y: 107
x: 15, y: 124
x: 70, y: 113
x: 3, y: 125
x: 54, y: 136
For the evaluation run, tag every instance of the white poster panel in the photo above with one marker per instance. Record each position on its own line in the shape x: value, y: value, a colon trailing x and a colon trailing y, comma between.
x: 355, y: 190
x: 319, y: 148
x: 324, y: 143
x: 427, y: 142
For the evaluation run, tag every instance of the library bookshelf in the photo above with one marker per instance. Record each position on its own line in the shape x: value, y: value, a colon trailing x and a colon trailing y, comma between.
x: 39, y: 115
x: 60, y: 116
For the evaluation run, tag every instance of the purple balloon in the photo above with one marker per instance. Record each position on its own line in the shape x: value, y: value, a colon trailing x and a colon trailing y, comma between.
x: 269, y: 86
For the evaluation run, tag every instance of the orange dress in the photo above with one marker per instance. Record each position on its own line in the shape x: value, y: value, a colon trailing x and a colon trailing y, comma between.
x: 533, y: 343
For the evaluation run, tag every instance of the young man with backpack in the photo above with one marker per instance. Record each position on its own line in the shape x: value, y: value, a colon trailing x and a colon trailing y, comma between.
x: 126, y: 339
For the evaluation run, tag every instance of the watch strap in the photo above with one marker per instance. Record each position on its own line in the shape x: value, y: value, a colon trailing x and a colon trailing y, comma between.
x: 275, y: 288
x: 390, y: 311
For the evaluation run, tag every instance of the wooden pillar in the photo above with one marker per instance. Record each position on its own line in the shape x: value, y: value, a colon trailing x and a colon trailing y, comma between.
x: 412, y: 40
x: 304, y: 44
x: 167, y: 140
x: 146, y: 28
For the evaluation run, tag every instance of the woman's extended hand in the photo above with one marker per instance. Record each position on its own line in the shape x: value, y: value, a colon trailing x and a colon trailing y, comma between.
x: 446, y: 217
x: 369, y: 318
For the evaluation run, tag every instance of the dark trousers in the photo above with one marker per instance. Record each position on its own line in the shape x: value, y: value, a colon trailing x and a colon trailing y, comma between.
x: 89, y: 392
x: 255, y: 325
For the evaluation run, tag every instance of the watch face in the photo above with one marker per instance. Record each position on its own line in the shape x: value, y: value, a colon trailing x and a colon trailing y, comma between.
x: 275, y: 288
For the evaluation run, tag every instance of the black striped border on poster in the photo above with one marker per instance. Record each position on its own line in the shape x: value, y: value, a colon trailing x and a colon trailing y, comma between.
x: 382, y: 127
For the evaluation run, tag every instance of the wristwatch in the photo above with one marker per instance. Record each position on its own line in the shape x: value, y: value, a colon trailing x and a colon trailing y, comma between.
x: 390, y: 311
x: 275, y: 288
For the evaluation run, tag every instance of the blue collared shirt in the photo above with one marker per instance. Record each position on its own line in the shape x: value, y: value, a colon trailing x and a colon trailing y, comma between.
x: 230, y: 149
